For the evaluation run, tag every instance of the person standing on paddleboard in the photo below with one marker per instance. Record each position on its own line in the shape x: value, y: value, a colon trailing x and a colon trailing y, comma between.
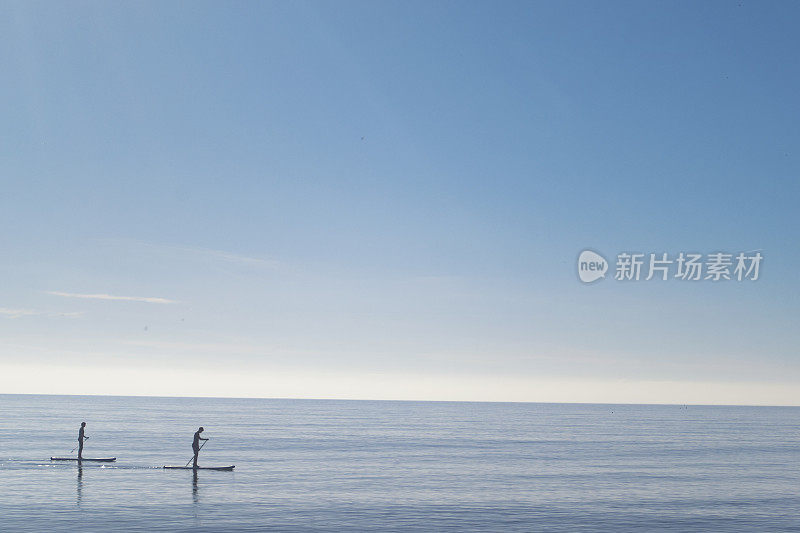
x: 196, y: 444
x: 81, y: 437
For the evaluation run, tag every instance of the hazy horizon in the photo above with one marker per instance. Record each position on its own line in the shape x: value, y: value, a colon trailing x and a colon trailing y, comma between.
x: 311, y: 399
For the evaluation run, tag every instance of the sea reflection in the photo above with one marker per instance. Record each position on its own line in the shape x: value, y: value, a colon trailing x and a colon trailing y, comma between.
x: 80, y: 482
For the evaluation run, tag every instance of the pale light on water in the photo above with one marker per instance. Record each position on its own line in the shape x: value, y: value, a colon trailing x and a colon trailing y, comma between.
x: 424, y: 466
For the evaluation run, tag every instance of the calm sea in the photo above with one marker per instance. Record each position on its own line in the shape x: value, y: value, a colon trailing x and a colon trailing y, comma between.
x: 307, y: 465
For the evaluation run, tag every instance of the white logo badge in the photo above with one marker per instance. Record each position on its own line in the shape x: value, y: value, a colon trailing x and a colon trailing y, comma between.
x: 591, y: 266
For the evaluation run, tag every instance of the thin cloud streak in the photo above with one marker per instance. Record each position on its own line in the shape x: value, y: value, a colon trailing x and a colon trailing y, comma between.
x: 146, y: 299
x: 19, y: 313
x: 207, y: 253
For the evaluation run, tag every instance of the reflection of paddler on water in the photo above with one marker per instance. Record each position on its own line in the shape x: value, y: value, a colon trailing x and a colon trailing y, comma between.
x: 196, y: 447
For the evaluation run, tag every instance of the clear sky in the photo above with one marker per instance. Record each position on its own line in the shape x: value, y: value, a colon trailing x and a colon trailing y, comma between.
x: 387, y: 199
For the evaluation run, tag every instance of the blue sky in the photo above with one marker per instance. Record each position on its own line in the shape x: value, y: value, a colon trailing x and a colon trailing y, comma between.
x: 362, y: 199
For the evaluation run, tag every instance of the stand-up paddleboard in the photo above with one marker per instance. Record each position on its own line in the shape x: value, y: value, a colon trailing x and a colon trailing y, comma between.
x: 220, y: 468
x: 95, y: 459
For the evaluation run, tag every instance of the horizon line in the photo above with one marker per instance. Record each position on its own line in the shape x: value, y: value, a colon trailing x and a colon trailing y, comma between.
x: 392, y: 400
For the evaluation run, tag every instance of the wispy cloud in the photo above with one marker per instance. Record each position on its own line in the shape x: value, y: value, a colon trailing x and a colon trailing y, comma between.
x: 205, y: 253
x: 230, y: 257
x: 146, y: 299
x: 18, y: 313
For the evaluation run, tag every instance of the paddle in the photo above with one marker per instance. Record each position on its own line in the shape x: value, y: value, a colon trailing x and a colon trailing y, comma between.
x: 198, y: 451
x: 76, y: 447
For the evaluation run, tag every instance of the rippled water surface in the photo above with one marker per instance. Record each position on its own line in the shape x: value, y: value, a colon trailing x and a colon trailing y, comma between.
x: 304, y: 465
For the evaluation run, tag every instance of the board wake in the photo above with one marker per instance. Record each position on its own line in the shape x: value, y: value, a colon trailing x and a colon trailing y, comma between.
x: 95, y: 459
x: 220, y: 468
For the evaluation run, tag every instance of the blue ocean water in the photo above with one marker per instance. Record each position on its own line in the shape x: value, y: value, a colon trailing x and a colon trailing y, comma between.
x: 321, y: 465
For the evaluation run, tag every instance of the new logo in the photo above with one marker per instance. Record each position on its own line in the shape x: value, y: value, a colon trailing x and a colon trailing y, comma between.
x: 591, y: 266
